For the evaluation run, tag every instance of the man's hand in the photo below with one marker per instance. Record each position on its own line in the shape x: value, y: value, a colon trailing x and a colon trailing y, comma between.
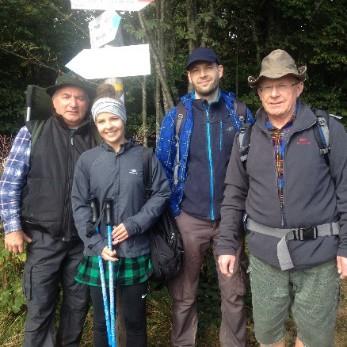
x: 107, y: 254
x: 119, y: 234
x: 226, y: 264
x: 342, y: 266
x: 15, y: 241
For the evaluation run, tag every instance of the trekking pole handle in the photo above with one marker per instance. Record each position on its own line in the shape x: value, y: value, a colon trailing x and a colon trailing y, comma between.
x: 94, y: 208
x: 109, y: 209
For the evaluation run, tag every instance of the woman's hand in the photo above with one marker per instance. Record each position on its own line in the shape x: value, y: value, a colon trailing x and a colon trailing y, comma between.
x: 119, y: 234
x: 107, y: 254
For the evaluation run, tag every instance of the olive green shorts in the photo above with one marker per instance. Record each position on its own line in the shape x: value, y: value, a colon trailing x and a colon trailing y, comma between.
x: 311, y: 295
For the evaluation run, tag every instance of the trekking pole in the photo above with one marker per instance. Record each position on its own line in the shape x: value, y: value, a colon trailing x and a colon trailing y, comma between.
x: 95, y: 214
x: 108, y: 206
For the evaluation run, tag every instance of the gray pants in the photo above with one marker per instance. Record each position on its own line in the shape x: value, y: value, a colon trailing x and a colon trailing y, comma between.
x: 51, y: 265
x: 197, y: 237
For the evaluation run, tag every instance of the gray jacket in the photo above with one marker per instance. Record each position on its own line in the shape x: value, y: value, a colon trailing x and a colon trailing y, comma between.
x: 314, y: 194
x: 101, y: 173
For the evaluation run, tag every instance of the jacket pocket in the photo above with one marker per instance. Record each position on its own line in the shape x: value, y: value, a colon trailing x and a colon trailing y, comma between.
x: 27, y: 281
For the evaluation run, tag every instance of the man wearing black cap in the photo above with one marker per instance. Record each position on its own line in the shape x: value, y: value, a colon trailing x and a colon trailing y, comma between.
x: 35, y: 208
x: 205, y: 121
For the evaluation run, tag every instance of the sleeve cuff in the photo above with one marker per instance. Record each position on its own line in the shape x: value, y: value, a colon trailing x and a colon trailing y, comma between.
x: 132, y: 227
x: 12, y: 226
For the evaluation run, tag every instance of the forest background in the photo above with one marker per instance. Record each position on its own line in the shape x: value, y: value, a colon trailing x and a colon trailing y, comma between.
x: 38, y: 37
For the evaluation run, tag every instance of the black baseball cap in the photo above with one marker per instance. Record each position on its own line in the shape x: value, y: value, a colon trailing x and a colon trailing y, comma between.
x: 202, y: 54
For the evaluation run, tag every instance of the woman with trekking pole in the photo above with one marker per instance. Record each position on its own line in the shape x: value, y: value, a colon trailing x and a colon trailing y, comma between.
x: 112, y: 213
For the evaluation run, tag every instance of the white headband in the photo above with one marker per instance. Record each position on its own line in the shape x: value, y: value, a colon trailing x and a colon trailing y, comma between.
x: 109, y: 105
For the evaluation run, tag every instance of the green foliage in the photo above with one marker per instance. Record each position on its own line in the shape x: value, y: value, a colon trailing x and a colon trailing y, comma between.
x: 12, y: 108
x: 11, y: 294
x: 37, y: 38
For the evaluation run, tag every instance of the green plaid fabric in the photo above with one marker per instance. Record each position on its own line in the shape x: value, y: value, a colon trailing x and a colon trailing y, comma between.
x: 127, y: 271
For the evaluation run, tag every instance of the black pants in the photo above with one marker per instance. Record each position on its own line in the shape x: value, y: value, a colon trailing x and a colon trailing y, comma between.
x: 133, y: 300
x: 51, y: 265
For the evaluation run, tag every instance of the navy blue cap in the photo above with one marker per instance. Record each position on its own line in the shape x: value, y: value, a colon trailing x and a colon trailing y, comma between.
x: 202, y: 54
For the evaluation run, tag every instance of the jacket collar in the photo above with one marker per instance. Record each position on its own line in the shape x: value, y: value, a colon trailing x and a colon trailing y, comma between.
x: 222, y: 95
x: 59, y: 120
x: 124, y: 147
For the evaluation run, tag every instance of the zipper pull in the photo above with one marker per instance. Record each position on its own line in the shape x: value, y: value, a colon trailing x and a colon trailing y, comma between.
x: 72, y: 133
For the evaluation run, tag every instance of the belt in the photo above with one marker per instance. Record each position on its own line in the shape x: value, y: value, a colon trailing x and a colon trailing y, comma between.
x: 301, y: 234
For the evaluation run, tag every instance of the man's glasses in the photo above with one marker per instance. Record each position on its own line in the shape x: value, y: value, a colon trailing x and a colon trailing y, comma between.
x: 281, y: 88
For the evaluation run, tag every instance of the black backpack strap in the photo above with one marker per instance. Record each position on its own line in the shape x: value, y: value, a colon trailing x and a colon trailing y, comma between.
x: 181, y: 114
x: 35, y: 128
x: 241, y: 110
x: 180, y: 117
x: 322, y: 133
x: 244, y: 142
x: 244, y: 132
x: 147, y: 171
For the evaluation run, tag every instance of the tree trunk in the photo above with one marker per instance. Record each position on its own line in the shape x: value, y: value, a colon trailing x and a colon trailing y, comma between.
x: 191, y: 32
x: 158, y: 108
x: 191, y: 24
x: 158, y: 64
x: 144, y: 112
x: 255, y: 39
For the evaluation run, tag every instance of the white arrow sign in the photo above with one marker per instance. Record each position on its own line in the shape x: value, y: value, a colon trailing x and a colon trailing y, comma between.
x: 119, y: 5
x: 103, y: 29
x: 109, y: 62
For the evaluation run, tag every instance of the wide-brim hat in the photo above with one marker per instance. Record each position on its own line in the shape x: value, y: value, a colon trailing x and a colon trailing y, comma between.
x: 69, y: 79
x: 276, y: 65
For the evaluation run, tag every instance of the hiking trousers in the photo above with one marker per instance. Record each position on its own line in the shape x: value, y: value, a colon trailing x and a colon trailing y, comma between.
x: 197, y: 236
x: 51, y: 265
x: 133, y: 301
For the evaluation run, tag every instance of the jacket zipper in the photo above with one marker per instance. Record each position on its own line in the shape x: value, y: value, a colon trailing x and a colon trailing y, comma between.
x: 66, y: 225
x: 210, y: 162
x: 220, y: 135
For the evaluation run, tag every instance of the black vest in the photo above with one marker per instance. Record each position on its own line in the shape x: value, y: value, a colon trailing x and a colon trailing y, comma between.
x: 46, y: 196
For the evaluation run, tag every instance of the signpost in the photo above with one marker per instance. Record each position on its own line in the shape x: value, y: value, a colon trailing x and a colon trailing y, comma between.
x: 103, y: 29
x: 118, y: 5
x: 109, y: 62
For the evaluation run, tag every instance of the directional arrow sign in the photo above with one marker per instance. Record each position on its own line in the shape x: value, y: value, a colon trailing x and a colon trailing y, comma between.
x: 103, y: 29
x: 109, y: 62
x: 119, y: 5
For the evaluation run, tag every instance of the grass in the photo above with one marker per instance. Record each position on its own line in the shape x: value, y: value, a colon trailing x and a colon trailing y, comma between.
x: 159, y: 308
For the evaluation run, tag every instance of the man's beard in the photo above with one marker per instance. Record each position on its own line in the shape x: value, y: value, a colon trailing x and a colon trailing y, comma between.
x: 208, y: 92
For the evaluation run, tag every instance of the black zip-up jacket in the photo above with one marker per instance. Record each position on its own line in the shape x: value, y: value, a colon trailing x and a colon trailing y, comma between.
x: 46, y: 196
x: 103, y: 174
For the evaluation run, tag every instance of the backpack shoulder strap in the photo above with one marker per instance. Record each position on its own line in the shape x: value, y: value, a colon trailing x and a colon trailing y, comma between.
x: 180, y: 117
x: 322, y: 133
x: 35, y: 128
x: 244, y: 141
x: 241, y: 110
x: 147, y: 171
x: 181, y: 114
x: 244, y: 132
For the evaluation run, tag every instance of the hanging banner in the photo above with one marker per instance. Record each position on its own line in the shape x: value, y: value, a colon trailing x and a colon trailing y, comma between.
x: 109, y: 62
